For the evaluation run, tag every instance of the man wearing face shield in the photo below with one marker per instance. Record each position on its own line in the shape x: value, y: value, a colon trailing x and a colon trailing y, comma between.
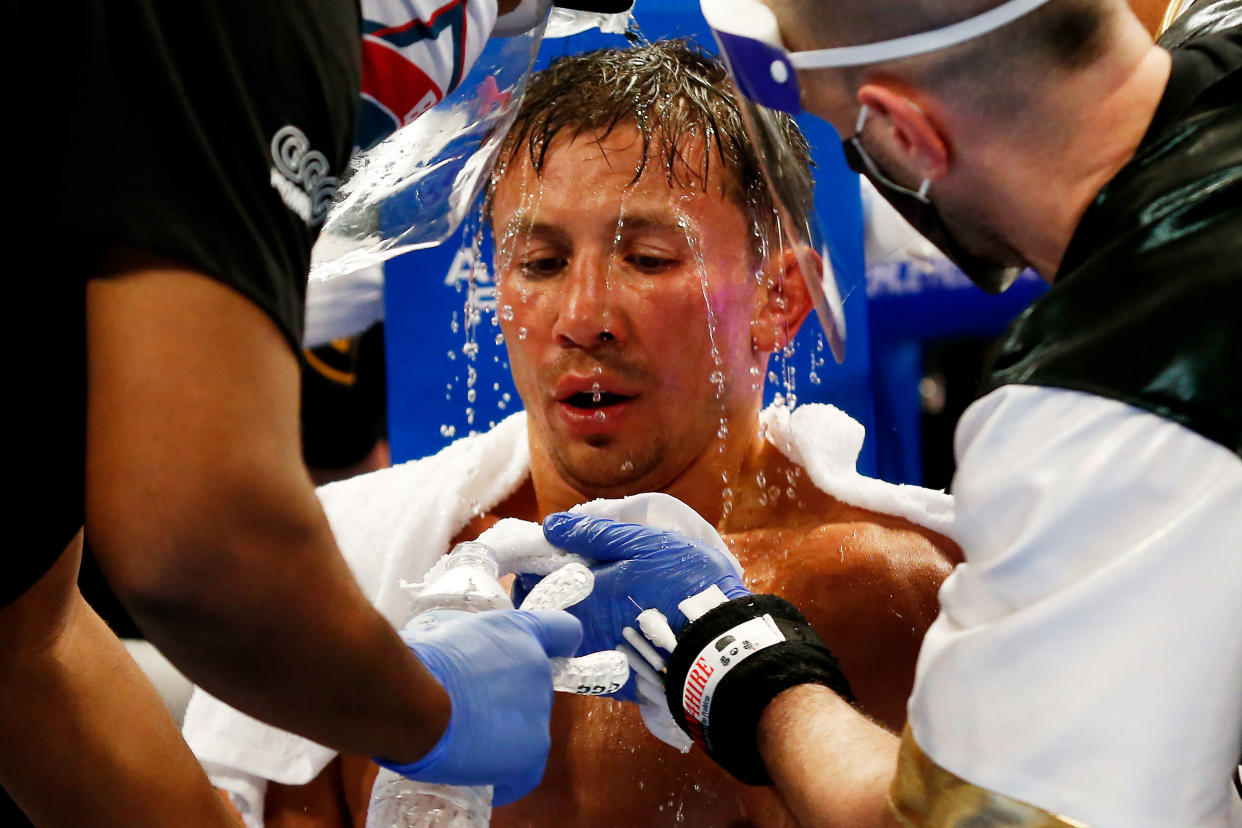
x: 1084, y: 669
x: 172, y: 168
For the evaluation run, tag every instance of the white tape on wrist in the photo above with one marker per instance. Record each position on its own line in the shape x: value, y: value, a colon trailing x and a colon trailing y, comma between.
x: 715, y: 661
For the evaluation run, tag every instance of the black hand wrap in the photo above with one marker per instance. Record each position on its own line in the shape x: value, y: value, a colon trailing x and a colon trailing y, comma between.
x: 730, y: 663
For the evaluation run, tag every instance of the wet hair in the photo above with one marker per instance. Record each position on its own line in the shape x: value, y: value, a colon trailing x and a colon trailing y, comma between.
x: 675, y: 95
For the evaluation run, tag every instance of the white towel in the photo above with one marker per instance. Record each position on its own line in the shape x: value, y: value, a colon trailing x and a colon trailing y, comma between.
x: 825, y: 441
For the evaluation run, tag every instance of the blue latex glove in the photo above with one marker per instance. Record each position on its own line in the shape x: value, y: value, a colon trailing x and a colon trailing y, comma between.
x: 494, y: 666
x: 636, y: 567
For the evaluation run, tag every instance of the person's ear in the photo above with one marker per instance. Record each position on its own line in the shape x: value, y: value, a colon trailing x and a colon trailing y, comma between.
x: 784, y: 302
x: 918, y: 141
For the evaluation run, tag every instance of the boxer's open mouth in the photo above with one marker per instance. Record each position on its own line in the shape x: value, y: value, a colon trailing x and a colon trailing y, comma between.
x: 591, y: 400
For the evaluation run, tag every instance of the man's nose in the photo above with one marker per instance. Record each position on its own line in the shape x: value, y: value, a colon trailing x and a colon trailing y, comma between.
x: 589, y: 316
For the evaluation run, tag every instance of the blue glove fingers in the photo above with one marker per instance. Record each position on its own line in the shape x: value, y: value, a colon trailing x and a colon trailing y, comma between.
x: 556, y: 630
x: 604, y: 539
x: 559, y: 633
x: 522, y: 585
x: 495, y: 668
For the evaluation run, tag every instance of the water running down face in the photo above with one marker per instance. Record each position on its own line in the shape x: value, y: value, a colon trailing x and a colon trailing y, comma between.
x: 638, y: 320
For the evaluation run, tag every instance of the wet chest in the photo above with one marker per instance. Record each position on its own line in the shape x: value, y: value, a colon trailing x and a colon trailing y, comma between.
x: 607, y: 770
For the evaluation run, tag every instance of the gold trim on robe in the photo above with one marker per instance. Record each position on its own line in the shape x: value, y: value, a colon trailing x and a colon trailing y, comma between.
x: 1172, y: 12
x: 925, y: 795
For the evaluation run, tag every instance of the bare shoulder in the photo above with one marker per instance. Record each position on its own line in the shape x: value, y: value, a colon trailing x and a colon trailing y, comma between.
x: 867, y: 582
x: 858, y: 561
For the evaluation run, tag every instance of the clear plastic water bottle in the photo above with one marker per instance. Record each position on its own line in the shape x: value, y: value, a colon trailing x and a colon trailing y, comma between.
x: 468, y: 584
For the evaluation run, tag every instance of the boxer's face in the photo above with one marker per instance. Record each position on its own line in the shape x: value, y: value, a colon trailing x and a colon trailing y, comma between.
x: 626, y: 308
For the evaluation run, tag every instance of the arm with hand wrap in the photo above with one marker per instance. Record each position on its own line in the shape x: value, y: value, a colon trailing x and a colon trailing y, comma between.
x: 735, y: 654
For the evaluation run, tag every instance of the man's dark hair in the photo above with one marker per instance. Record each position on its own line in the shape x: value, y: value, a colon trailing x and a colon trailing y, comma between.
x: 674, y: 94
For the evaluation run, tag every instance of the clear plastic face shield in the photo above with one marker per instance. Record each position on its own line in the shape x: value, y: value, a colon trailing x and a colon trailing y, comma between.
x: 750, y: 40
x: 793, y: 199
x: 413, y: 189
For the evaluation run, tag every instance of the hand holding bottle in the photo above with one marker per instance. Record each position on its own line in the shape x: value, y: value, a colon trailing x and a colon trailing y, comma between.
x: 495, y: 667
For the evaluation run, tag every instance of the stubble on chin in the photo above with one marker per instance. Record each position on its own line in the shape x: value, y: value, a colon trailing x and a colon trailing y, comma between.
x: 595, y: 471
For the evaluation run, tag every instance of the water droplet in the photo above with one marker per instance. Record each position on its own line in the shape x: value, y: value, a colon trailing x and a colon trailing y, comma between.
x: 595, y: 394
x: 495, y: 386
x: 500, y: 339
x: 470, y: 349
x: 599, y: 416
x: 522, y: 333
x: 627, y: 466
x: 452, y: 355
x: 506, y: 312
x: 755, y: 371
x: 470, y: 416
x: 448, y: 430
x: 717, y: 377
x: 471, y: 395
x: 774, y: 493
x: 772, y: 377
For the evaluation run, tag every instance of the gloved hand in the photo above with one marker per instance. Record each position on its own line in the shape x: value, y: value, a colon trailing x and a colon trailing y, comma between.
x: 636, y: 568
x: 495, y: 668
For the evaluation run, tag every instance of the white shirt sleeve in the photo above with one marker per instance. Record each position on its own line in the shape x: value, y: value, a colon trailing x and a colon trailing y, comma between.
x: 1087, y: 658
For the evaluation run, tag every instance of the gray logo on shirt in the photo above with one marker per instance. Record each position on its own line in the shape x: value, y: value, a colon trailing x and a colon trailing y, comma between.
x: 300, y: 175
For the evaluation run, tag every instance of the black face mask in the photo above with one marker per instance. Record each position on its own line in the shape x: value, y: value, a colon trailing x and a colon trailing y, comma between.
x: 916, y: 208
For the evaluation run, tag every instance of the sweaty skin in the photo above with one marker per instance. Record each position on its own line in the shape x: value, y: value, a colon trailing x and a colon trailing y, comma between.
x: 585, y: 293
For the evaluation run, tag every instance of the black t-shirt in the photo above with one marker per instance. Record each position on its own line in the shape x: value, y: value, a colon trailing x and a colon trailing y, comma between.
x: 1145, y: 308
x: 205, y: 132
x: 213, y: 133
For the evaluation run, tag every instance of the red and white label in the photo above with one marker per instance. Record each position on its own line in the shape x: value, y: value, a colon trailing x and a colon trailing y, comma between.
x: 715, y: 660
